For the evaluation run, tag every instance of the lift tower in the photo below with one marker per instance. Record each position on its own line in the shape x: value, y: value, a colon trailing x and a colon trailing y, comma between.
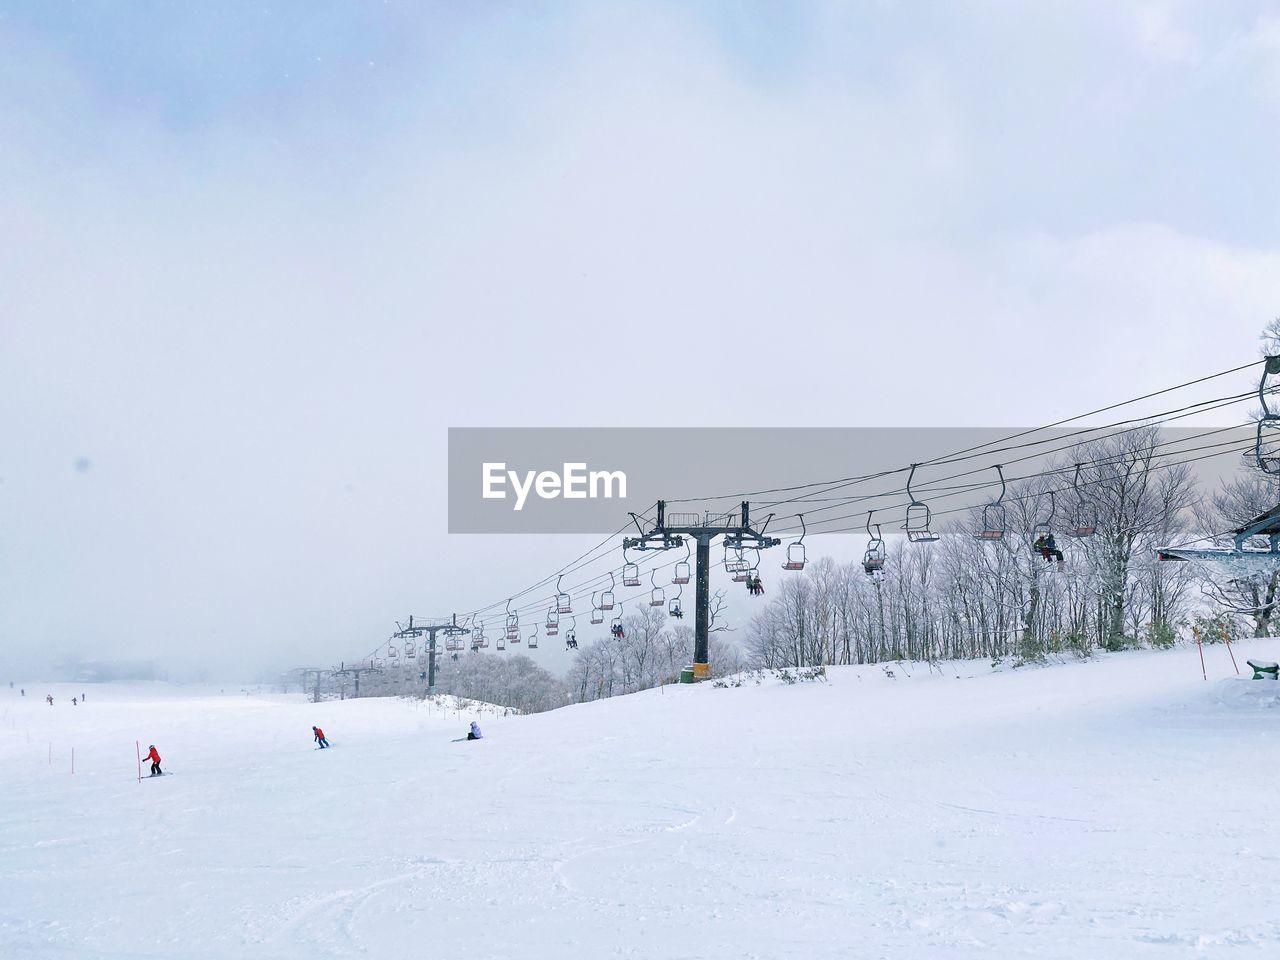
x: 702, y: 528
x: 449, y: 628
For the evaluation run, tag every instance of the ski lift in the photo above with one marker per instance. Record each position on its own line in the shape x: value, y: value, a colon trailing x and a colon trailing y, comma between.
x: 571, y: 639
x: 674, y: 609
x: 656, y: 597
x: 502, y: 641
x: 740, y: 568
x: 597, y: 615
x: 453, y: 643
x: 391, y: 651
x: 682, y: 571
x: 563, y: 603
x: 630, y: 571
x: 615, y: 628
x: 1045, y: 527
x: 516, y: 638
x: 553, y: 620
x: 513, y: 623
x: 917, y: 524
x: 533, y: 640
x: 410, y: 651
x: 478, y: 639
x: 873, y: 559
x: 736, y: 564
x: 1084, y: 521
x: 795, y: 551
x: 993, y: 514
x: 1268, y: 462
x: 606, y: 598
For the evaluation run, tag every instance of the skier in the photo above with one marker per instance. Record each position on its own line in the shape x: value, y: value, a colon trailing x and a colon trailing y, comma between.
x: 73, y: 701
x: 320, y: 737
x: 50, y: 699
x: 474, y: 732
x: 154, y: 756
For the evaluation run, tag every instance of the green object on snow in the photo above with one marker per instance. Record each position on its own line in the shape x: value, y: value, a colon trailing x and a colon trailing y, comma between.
x: 1265, y: 669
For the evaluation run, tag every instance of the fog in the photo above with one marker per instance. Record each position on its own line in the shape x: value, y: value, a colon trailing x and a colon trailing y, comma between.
x: 256, y: 262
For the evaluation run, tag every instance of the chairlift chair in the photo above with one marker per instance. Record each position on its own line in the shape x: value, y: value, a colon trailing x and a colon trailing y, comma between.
x: 795, y: 551
x: 478, y: 638
x: 994, y: 520
x: 682, y: 572
x: 597, y: 615
x: 606, y: 598
x: 1268, y: 459
x: 630, y: 575
x: 1044, y: 528
x: 873, y: 559
x: 656, y: 596
x: 674, y: 609
x: 410, y: 651
x: 917, y: 523
x: 553, y: 617
x: 502, y: 641
x: 1084, y: 519
x: 533, y: 640
x: 563, y: 602
x: 513, y: 623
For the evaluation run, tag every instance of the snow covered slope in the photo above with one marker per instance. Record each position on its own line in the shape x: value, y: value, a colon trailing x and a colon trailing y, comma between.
x: 1116, y: 808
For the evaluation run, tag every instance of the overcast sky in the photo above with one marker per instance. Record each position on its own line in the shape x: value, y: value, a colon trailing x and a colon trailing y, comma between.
x: 255, y: 259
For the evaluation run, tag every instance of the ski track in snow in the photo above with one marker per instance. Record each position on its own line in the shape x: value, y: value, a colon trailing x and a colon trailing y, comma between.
x: 1113, y: 809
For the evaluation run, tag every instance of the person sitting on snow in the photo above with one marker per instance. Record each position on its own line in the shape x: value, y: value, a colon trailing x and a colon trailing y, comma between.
x: 474, y: 733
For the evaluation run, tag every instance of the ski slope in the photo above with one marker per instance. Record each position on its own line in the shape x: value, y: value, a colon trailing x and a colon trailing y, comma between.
x: 1121, y: 807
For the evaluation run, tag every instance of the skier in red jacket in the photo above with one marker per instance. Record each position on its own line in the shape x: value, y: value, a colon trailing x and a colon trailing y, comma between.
x: 320, y: 737
x: 154, y: 757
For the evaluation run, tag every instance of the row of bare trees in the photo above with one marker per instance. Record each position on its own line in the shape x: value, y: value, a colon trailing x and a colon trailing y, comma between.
x: 961, y: 597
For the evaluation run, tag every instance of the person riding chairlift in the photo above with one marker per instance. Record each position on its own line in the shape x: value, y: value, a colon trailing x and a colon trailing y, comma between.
x: 1048, y: 548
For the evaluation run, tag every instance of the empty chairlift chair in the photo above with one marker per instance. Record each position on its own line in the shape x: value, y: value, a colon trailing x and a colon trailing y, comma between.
x: 993, y: 515
x: 533, y: 640
x: 1265, y: 449
x: 606, y: 598
x: 563, y: 603
x: 656, y: 596
x: 553, y: 620
x: 917, y: 523
x: 682, y: 572
x: 1084, y: 516
x: 795, y: 551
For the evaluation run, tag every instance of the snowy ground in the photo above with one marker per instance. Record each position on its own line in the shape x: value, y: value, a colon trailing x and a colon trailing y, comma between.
x: 1117, y: 808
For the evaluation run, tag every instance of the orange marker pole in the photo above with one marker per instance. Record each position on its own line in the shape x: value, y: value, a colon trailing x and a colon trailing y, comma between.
x: 1200, y: 647
x: 1227, y: 640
